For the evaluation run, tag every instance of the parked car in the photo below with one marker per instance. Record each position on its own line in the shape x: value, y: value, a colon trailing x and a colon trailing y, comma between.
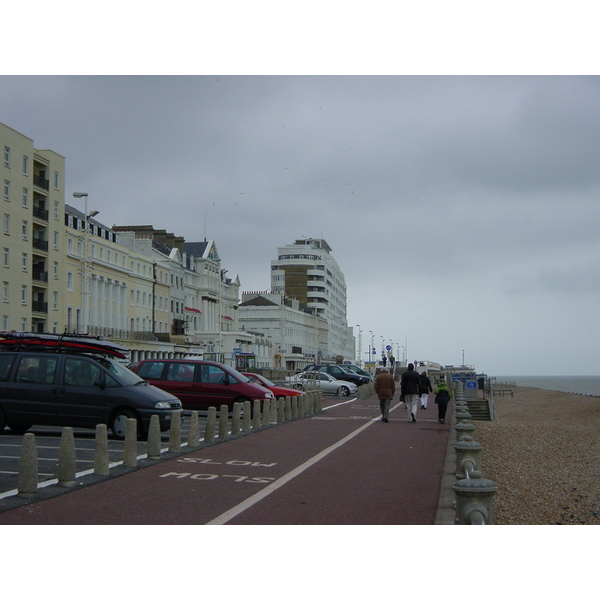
x: 75, y: 389
x: 358, y: 371
x: 278, y: 391
x: 327, y: 383
x: 200, y: 383
x: 340, y: 372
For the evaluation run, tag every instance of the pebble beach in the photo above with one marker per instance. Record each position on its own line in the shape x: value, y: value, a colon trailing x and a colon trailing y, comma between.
x: 543, y: 453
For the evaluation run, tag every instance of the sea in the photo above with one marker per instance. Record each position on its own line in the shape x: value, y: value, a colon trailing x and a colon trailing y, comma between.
x: 574, y: 384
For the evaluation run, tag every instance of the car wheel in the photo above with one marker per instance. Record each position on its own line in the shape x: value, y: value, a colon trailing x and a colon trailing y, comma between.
x: 22, y: 428
x: 344, y: 391
x: 118, y: 423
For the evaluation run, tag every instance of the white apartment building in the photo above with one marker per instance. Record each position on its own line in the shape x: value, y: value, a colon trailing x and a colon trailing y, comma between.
x: 33, y: 263
x: 306, y: 271
x: 298, y: 337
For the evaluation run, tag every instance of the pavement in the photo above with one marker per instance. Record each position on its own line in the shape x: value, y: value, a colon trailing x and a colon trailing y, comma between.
x: 343, y: 466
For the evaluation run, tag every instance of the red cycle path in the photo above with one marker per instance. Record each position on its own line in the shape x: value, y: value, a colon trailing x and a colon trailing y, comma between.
x: 343, y: 466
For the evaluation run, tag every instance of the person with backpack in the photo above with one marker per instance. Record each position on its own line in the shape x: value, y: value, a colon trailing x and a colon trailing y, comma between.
x: 442, y: 397
x: 410, y: 391
x: 425, y: 389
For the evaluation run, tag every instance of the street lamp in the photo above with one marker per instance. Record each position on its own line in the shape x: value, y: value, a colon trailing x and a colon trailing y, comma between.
x: 359, y: 346
x: 85, y: 271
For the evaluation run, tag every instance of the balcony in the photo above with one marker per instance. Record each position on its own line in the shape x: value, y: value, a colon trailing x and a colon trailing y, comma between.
x: 40, y: 275
x: 39, y: 307
x: 41, y: 182
x: 40, y: 244
x: 40, y: 213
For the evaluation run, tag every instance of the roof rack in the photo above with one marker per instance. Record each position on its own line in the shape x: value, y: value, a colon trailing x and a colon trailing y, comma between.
x: 72, y: 342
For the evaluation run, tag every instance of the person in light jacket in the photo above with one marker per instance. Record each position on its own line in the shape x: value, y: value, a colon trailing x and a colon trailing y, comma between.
x: 442, y: 396
x: 385, y: 388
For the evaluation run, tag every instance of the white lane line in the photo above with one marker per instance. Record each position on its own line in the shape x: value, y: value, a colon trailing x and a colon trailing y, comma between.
x: 252, y: 500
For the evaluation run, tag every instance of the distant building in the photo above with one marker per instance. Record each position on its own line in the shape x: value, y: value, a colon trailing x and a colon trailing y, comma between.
x: 306, y: 271
x: 298, y: 337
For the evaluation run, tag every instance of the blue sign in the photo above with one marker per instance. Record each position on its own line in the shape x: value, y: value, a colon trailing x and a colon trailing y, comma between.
x: 471, y: 385
x: 374, y: 351
x: 388, y: 348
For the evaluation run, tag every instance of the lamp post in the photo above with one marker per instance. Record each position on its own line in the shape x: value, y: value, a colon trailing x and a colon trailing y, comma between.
x: 85, y: 290
x: 359, y: 346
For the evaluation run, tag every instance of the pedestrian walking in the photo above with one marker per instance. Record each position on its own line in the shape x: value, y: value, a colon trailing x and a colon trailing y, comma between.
x: 385, y: 388
x: 425, y: 389
x: 410, y: 391
x: 442, y: 396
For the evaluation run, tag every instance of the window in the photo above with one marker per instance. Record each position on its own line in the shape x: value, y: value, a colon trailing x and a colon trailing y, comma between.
x: 55, y: 239
x: 5, y: 293
x: 25, y: 196
x: 81, y: 372
x: 25, y: 165
x: 24, y: 230
x: 7, y: 189
x: 6, y: 224
x: 56, y: 205
x: 56, y: 180
x: 55, y: 300
x: 55, y: 270
x: 23, y: 294
x: 23, y: 324
x: 4, y: 322
x: 36, y: 369
x: 24, y: 261
x: 69, y: 281
x: 5, y: 257
x: 70, y: 246
x: 6, y: 156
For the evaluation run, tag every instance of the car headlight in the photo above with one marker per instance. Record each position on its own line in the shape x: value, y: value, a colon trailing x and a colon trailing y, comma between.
x: 269, y: 395
x: 162, y: 405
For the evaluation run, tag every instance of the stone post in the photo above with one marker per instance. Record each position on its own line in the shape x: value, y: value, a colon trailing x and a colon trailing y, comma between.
x: 211, y: 421
x: 474, y: 500
x: 236, y: 418
x: 66, y: 458
x: 247, y: 416
x: 467, y: 456
x: 27, y: 483
x: 175, y: 432
x: 256, y: 415
x: 194, y: 430
x: 153, y: 445
x: 130, y: 445
x: 101, y: 451
x: 223, y: 422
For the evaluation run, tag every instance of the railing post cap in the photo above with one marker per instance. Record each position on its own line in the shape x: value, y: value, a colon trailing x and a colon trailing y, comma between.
x: 475, y: 486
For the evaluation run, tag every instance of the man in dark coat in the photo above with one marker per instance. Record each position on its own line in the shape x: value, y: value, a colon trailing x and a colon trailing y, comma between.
x: 410, y: 391
x: 385, y: 388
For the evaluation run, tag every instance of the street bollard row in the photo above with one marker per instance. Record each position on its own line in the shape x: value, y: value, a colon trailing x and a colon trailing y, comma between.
x: 245, y: 418
x: 474, y: 494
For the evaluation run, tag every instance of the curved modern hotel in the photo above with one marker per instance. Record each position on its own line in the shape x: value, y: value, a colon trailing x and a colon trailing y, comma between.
x: 305, y: 270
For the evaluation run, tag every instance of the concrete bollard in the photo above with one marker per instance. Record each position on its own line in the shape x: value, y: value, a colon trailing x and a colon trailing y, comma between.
x: 295, y: 406
x: 467, y: 456
x: 474, y: 500
x: 153, y: 445
x: 236, y: 418
x: 101, y: 451
x: 193, y: 440
x: 247, y: 416
x: 27, y: 483
x: 256, y: 415
x: 223, y: 422
x: 320, y: 402
x: 175, y: 433
x: 130, y: 445
x: 266, y: 413
x: 211, y: 421
x: 464, y: 429
x: 287, y: 401
x: 463, y: 416
x: 273, y: 411
x: 66, y: 458
x: 280, y: 410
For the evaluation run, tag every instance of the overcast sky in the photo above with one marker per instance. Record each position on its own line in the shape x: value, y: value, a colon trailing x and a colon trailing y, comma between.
x: 463, y: 210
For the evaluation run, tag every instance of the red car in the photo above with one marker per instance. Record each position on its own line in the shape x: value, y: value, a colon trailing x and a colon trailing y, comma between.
x: 278, y: 392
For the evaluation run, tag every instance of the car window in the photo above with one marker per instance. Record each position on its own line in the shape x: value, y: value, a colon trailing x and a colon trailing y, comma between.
x: 212, y: 374
x: 121, y: 374
x: 180, y: 372
x: 5, y: 364
x: 37, y: 369
x: 151, y: 370
x: 81, y: 372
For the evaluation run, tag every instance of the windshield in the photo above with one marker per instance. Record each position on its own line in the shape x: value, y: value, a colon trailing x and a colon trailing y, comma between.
x: 122, y: 374
x: 264, y: 380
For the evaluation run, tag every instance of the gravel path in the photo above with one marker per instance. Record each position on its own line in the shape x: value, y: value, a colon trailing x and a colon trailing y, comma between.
x: 543, y: 452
